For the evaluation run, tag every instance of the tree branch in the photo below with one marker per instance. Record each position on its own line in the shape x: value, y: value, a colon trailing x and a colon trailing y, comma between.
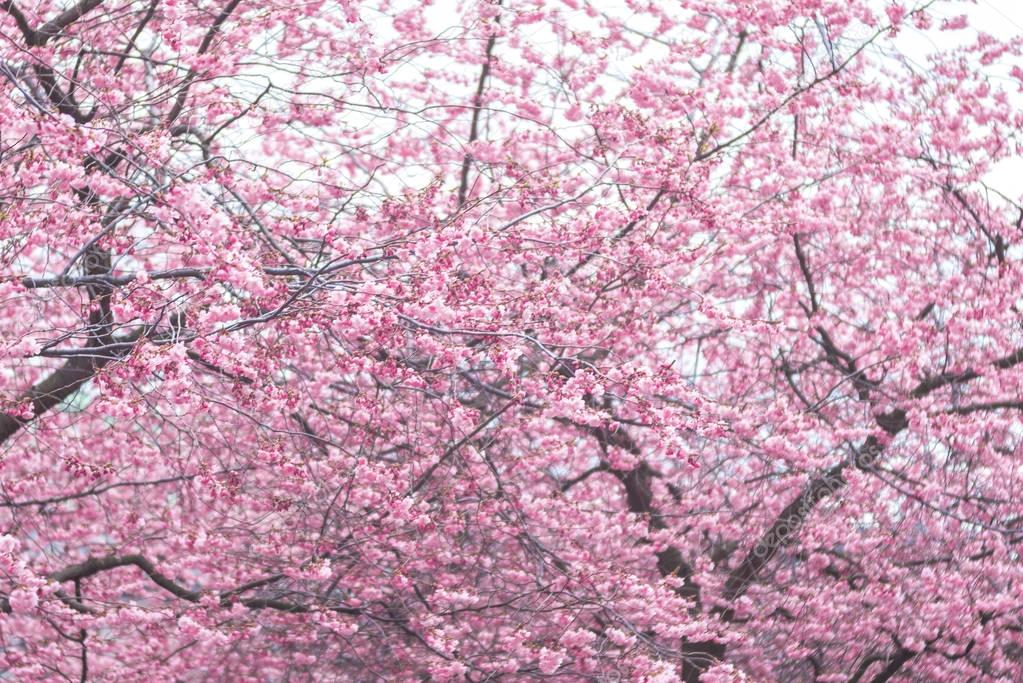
x: 477, y: 106
x: 56, y: 26
x: 804, y: 266
x: 179, y: 102
x: 94, y: 566
x: 19, y: 18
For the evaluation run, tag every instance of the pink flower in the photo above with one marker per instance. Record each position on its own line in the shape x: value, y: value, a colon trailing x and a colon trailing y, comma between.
x: 896, y: 12
x: 955, y: 23
x: 549, y: 660
x: 23, y: 600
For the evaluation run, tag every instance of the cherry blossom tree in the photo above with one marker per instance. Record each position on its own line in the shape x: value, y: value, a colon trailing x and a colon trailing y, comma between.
x: 508, y: 340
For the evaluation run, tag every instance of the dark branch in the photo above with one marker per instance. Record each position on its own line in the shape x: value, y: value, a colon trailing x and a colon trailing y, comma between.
x: 477, y: 107
x: 94, y: 566
x: 56, y: 26
x: 804, y: 266
x: 182, y: 273
x: 179, y: 102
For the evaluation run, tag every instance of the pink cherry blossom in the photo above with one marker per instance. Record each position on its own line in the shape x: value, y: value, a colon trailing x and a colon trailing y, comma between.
x: 23, y: 600
x: 617, y: 341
